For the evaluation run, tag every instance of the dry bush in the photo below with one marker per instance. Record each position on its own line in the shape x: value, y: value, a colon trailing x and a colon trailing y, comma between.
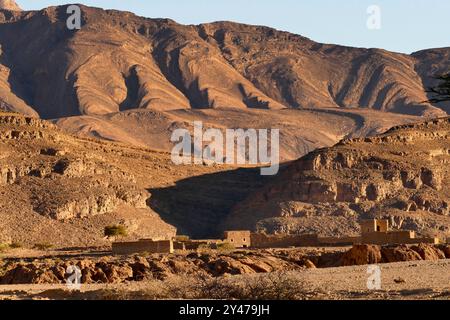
x: 226, y: 246
x: 271, y: 286
x: 16, y: 245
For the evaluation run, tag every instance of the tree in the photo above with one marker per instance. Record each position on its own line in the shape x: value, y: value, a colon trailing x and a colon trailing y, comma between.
x: 441, y: 92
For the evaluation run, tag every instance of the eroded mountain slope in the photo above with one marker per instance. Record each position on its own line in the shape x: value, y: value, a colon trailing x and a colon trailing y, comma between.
x: 119, y: 64
x: 63, y: 190
x: 401, y: 175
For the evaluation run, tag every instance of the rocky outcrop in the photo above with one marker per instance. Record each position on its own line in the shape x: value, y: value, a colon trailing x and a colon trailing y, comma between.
x: 427, y: 252
x: 206, y: 264
x: 63, y: 190
x: 373, y: 254
x: 110, y: 270
x: 361, y: 255
x: 401, y: 175
x: 9, y: 5
x: 400, y: 253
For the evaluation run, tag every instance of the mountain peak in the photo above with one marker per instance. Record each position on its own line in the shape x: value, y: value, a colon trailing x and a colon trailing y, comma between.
x: 9, y: 5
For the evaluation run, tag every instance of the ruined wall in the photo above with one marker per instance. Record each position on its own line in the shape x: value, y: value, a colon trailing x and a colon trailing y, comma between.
x: 260, y: 240
x: 179, y: 245
x: 429, y: 240
x: 341, y: 241
x: 392, y: 237
x: 163, y: 246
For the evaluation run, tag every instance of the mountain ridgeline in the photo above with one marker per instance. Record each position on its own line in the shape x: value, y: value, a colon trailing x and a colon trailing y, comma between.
x: 119, y: 61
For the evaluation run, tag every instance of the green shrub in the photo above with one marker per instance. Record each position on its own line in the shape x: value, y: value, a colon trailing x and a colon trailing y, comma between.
x: 114, y: 231
x: 4, y: 247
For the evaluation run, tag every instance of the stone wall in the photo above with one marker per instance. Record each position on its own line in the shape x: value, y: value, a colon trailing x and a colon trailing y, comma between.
x: 142, y: 246
x: 391, y: 237
x: 260, y: 240
x: 341, y: 241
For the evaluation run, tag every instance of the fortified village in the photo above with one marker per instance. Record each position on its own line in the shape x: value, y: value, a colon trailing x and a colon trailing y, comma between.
x: 373, y: 231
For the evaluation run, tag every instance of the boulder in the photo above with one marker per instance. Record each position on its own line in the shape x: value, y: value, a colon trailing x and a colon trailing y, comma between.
x: 428, y: 252
x: 226, y: 265
x: 362, y: 255
x: 398, y: 254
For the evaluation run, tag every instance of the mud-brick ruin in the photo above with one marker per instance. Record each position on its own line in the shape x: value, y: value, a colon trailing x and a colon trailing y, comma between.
x: 374, y: 231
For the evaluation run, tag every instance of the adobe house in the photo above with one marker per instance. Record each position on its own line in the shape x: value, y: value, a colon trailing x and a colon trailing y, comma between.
x: 239, y: 239
x: 374, y: 225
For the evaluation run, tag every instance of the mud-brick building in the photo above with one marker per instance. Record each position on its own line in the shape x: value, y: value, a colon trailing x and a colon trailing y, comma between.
x: 238, y: 239
x: 378, y: 232
x: 374, y: 225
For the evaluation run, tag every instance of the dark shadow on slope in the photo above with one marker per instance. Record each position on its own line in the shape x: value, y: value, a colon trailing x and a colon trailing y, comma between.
x: 197, y: 206
x: 132, y: 84
x: 34, y: 47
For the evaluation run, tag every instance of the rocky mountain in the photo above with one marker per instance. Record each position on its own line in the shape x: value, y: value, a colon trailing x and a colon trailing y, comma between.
x: 402, y: 175
x: 63, y: 190
x: 131, y: 79
x: 9, y: 5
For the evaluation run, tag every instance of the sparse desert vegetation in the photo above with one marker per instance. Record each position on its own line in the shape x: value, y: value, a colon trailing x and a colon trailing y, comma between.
x: 115, y: 231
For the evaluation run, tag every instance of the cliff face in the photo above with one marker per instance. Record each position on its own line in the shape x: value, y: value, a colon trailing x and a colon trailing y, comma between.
x: 62, y: 190
x: 401, y: 175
